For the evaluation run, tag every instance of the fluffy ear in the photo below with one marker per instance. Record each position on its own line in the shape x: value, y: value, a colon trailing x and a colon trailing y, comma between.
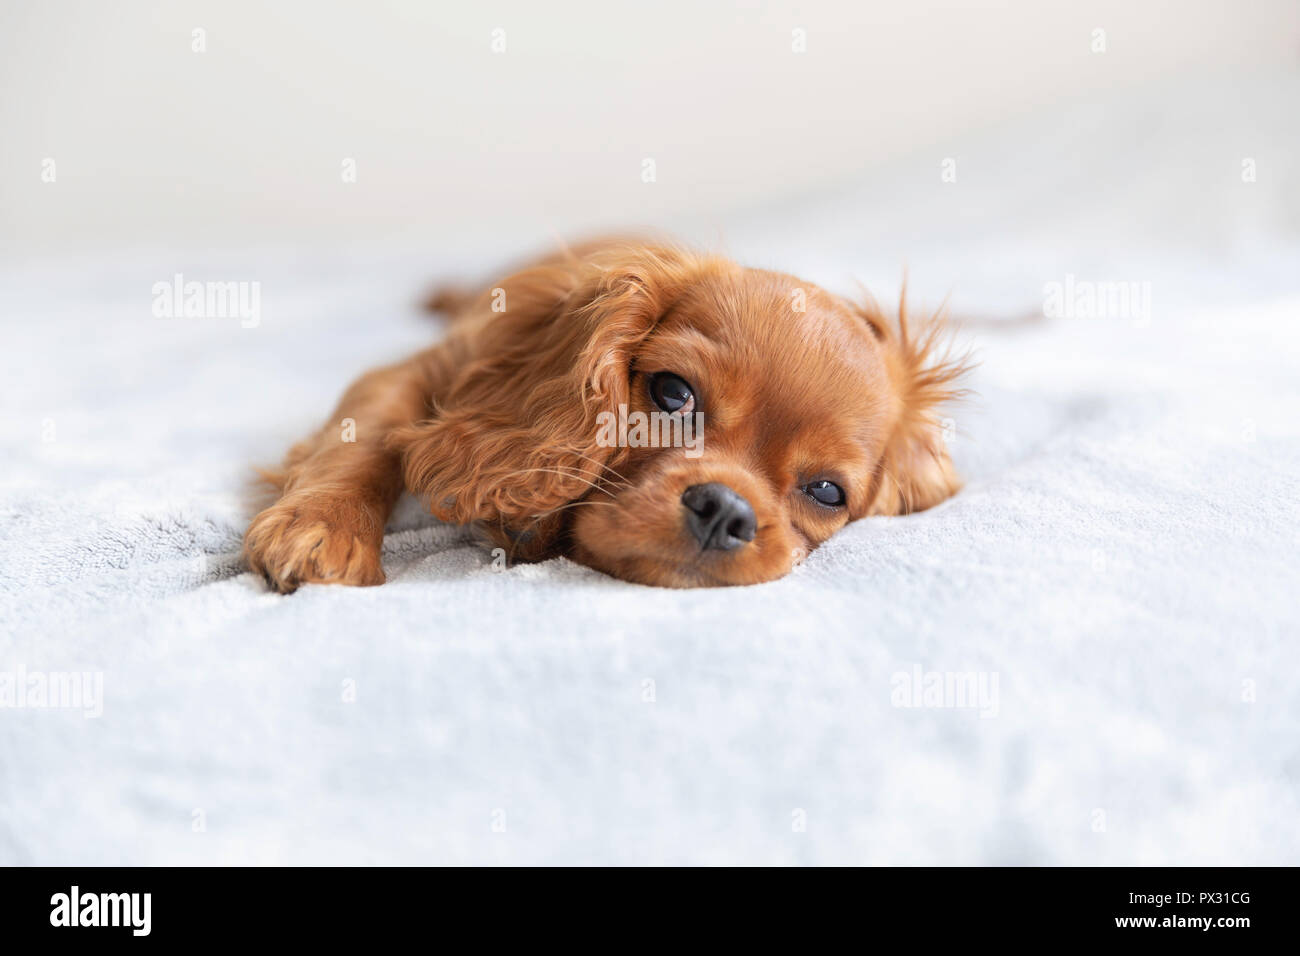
x: 916, y: 471
x: 513, y: 436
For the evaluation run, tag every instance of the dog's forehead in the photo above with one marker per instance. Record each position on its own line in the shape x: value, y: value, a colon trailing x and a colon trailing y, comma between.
x: 782, y: 327
x: 798, y: 355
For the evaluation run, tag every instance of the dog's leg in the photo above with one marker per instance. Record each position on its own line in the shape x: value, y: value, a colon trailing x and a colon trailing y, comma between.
x: 339, y: 486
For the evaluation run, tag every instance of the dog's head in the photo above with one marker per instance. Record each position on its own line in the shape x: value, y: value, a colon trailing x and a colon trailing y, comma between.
x: 679, y: 420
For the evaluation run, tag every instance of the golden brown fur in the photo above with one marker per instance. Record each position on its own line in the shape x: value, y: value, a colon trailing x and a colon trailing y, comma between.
x: 497, y: 426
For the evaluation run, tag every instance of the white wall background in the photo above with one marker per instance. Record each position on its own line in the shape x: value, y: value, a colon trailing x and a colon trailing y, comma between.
x: 155, y: 144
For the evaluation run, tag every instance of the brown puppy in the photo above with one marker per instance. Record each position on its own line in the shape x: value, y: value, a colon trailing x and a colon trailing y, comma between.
x: 664, y: 416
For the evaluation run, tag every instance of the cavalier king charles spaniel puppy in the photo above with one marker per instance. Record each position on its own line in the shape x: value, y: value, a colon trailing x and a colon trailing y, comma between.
x: 665, y: 416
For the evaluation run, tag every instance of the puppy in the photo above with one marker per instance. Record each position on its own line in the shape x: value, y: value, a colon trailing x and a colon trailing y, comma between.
x: 664, y: 416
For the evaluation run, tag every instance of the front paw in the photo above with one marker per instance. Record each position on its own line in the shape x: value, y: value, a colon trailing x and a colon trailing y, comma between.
x: 313, y: 540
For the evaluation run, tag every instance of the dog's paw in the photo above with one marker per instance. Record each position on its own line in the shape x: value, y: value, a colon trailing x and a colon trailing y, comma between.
x: 309, y: 539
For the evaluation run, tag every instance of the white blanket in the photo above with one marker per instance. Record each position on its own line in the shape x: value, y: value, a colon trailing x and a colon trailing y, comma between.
x: 1088, y: 656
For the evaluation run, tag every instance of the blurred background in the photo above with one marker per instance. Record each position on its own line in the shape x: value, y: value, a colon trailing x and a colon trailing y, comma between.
x: 484, y: 129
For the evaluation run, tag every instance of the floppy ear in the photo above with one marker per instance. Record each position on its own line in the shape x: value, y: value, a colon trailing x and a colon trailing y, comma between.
x: 514, y: 435
x: 916, y: 471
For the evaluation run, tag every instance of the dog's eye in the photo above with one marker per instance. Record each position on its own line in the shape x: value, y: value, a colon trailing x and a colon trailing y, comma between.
x: 826, y: 492
x: 671, y: 393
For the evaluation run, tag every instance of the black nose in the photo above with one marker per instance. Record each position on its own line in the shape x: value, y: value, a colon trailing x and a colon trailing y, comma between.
x: 718, y: 517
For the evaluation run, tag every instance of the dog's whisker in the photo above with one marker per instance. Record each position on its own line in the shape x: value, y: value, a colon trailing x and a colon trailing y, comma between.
x: 538, y: 519
x: 610, y: 468
x: 572, y: 504
x: 562, y: 474
x: 902, y: 490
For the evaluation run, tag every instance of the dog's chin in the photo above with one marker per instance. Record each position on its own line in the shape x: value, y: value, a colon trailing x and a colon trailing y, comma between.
x: 667, y: 572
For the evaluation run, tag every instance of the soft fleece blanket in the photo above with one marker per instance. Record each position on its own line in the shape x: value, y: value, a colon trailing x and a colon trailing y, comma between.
x: 1088, y: 656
